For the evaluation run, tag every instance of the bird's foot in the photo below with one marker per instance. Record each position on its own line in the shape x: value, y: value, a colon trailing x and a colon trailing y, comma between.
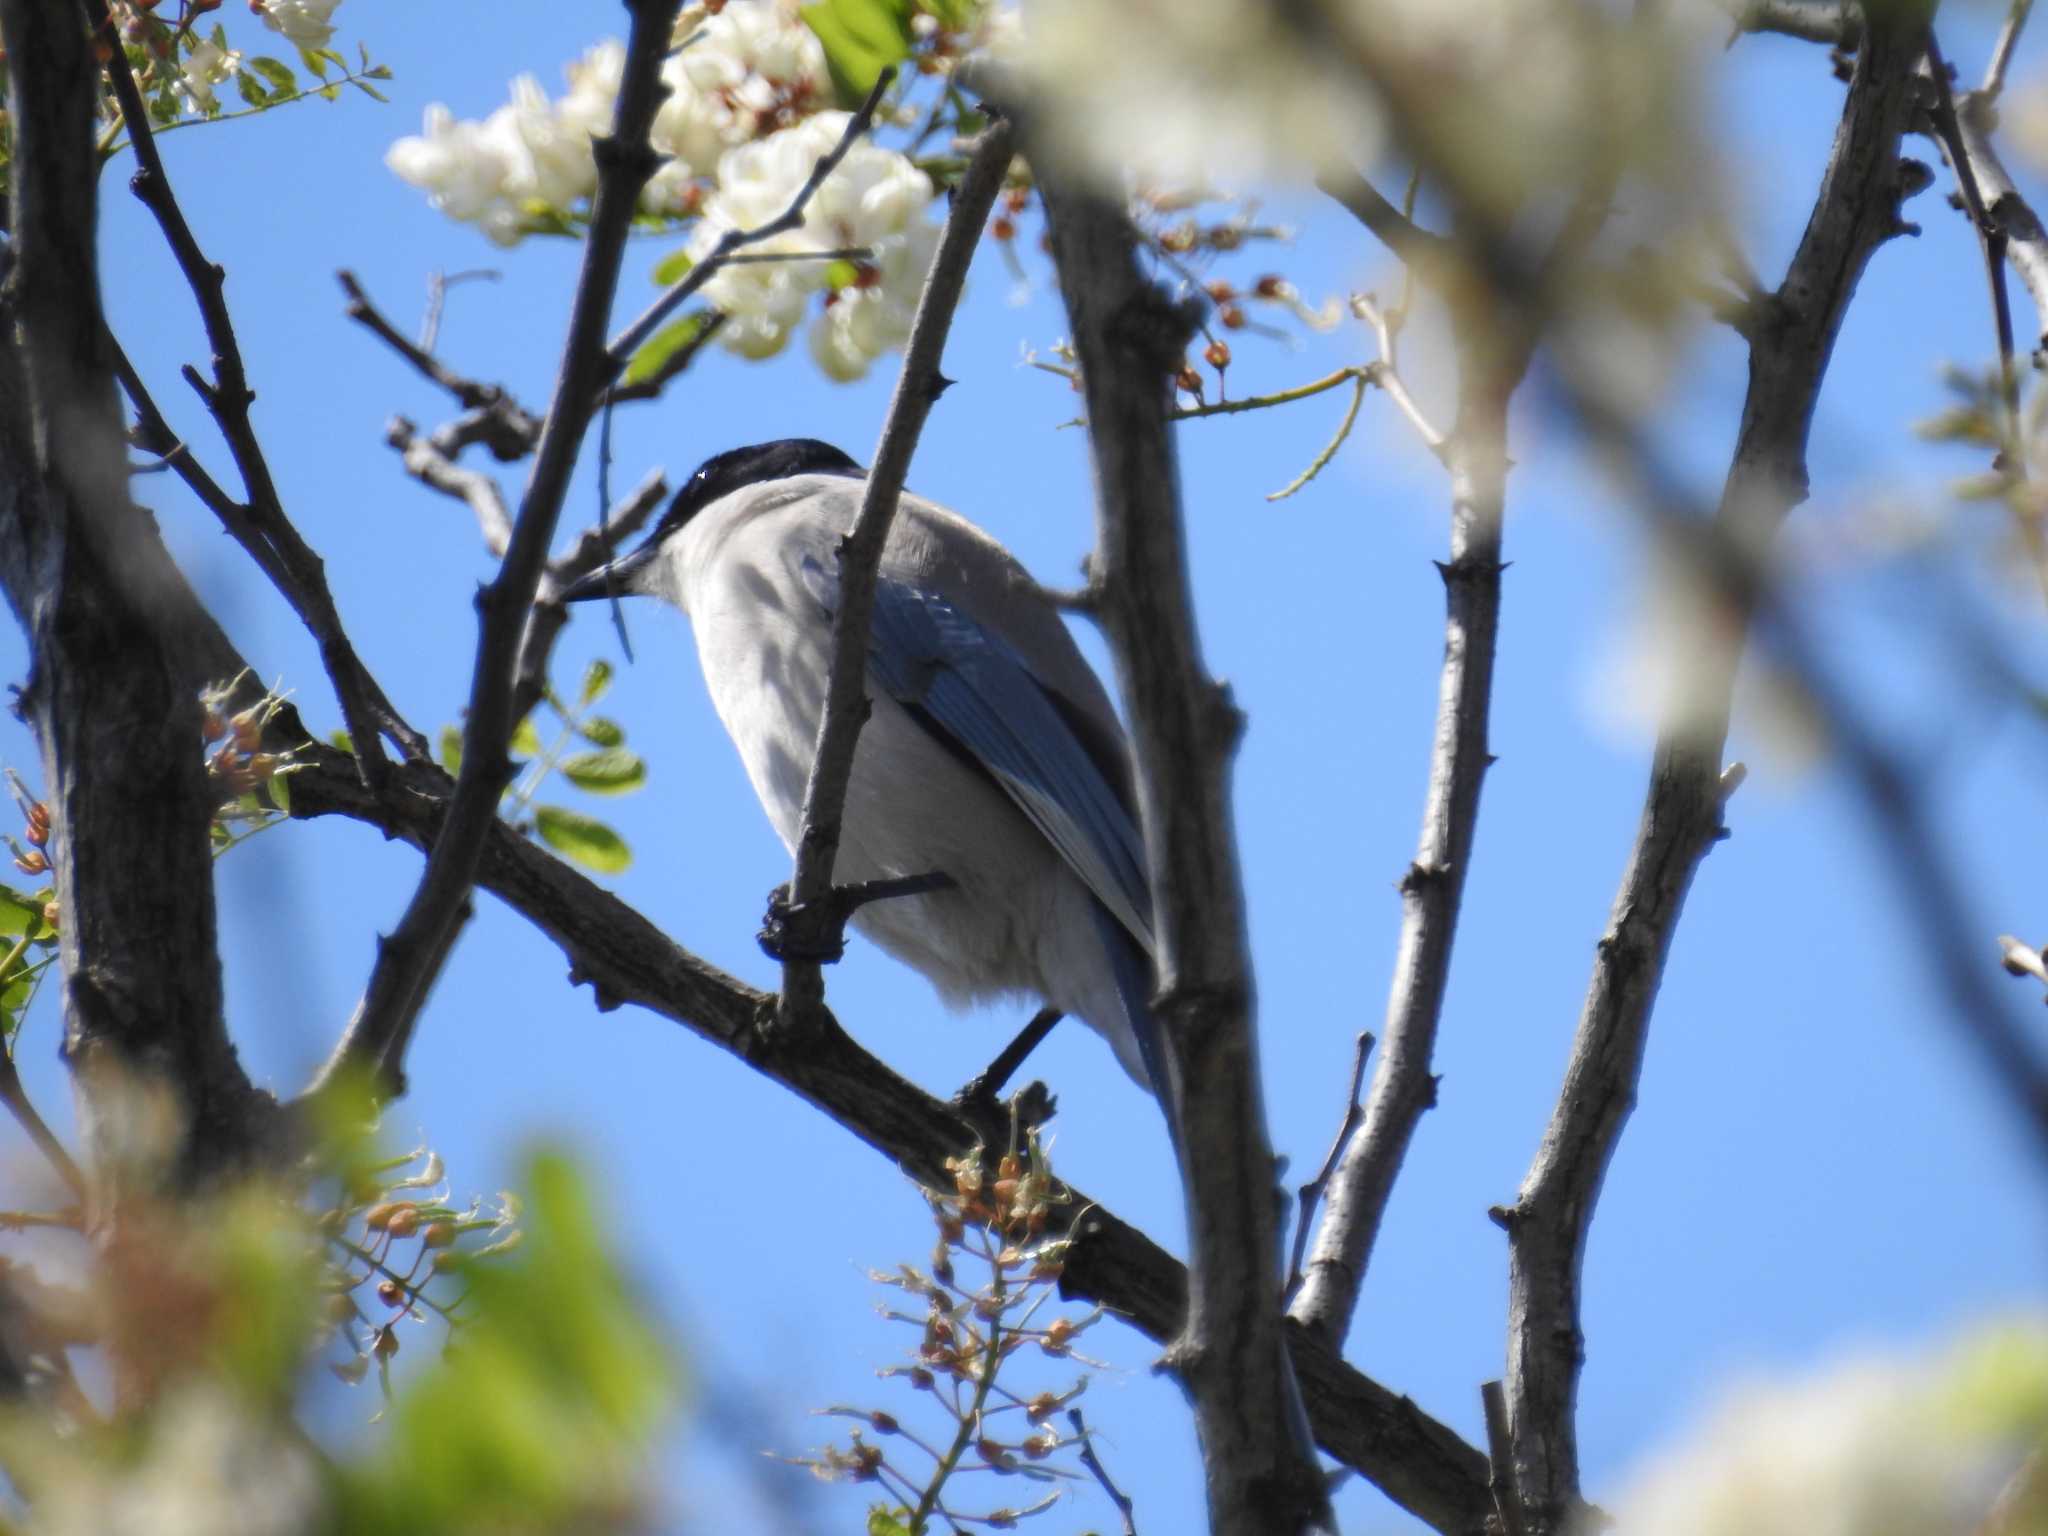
x: 984, y: 1088
x: 816, y: 930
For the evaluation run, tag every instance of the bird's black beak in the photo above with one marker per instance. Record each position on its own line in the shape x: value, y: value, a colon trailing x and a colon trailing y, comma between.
x: 621, y: 578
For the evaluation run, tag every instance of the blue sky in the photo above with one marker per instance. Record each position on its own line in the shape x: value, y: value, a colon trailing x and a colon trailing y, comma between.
x: 1815, y: 1165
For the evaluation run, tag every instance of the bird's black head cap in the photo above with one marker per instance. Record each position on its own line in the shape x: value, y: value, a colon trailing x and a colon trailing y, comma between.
x: 723, y: 473
x: 720, y: 475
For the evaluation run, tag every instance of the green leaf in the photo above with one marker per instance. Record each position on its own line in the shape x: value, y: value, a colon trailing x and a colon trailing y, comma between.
x: 315, y: 59
x: 218, y: 37
x: 342, y: 742
x: 19, y: 914
x: 672, y: 268
x: 614, y: 771
x: 601, y: 732
x: 884, y: 1521
x: 597, y: 677
x: 451, y: 749
x: 280, y: 787
x: 369, y: 90
x: 583, y: 838
x: 276, y: 71
x: 861, y: 38
x: 657, y: 349
x: 252, y: 89
x: 525, y: 739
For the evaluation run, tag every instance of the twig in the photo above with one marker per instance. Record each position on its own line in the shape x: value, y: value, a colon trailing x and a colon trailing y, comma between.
x: 1493, y: 349
x: 1991, y: 240
x: 629, y: 341
x: 408, y: 961
x: 591, y: 550
x: 1311, y: 1193
x: 1500, y: 1458
x: 1258, y: 1459
x: 468, y: 393
x: 363, y: 706
x: 2001, y: 51
x: 1124, y: 1505
x: 426, y: 463
x: 438, y: 284
x: 860, y: 553
x: 2005, y: 209
x: 16, y: 1098
x: 2022, y: 959
x: 1425, y: 253
x: 1387, y: 374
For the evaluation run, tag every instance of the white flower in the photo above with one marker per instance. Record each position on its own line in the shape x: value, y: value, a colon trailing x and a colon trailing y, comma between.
x: 546, y: 154
x: 303, y: 21
x: 874, y: 200
x: 746, y: 71
x: 455, y: 162
x: 593, y: 88
x: 205, y: 67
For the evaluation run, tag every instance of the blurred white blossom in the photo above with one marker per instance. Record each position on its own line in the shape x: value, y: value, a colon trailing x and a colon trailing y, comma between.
x: 875, y: 200
x: 1508, y: 96
x: 1873, y: 1447
x: 305, y: 22
x: 206, y: 66
x: 751, y: 69
x: 211, y: 1466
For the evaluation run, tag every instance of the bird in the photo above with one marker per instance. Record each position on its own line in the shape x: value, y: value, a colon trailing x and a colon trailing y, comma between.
x: 992, y: 754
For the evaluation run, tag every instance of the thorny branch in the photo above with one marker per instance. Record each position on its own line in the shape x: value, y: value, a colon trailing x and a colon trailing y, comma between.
x: 410, y: 959
x: 1855, y: 212
x: 1258, y: 1459
x: 918, y: 387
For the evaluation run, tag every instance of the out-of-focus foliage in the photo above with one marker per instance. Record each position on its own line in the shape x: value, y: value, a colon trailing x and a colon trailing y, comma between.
x: 1881, y: 1446
x: 215, y: 1318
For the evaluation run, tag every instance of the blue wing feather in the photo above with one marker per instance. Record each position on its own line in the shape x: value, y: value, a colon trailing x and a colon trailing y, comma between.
x: 974, y: 685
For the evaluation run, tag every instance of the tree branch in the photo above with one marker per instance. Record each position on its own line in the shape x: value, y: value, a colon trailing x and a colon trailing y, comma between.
x: 293, y: 567
x: 408, y: 961
x: 1491, y: 365
x: 1260, y: 1465
x: 1418, y: 1462
x: 1855, y: 212
x: 918, y: 386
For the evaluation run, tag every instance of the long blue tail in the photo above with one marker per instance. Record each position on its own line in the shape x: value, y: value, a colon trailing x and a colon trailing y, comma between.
x: 1132, y: 969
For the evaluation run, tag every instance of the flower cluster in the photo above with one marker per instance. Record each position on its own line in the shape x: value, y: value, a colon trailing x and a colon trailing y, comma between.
x: 975, y: 1342
x: 873, y: 202
x: 749, y: 70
